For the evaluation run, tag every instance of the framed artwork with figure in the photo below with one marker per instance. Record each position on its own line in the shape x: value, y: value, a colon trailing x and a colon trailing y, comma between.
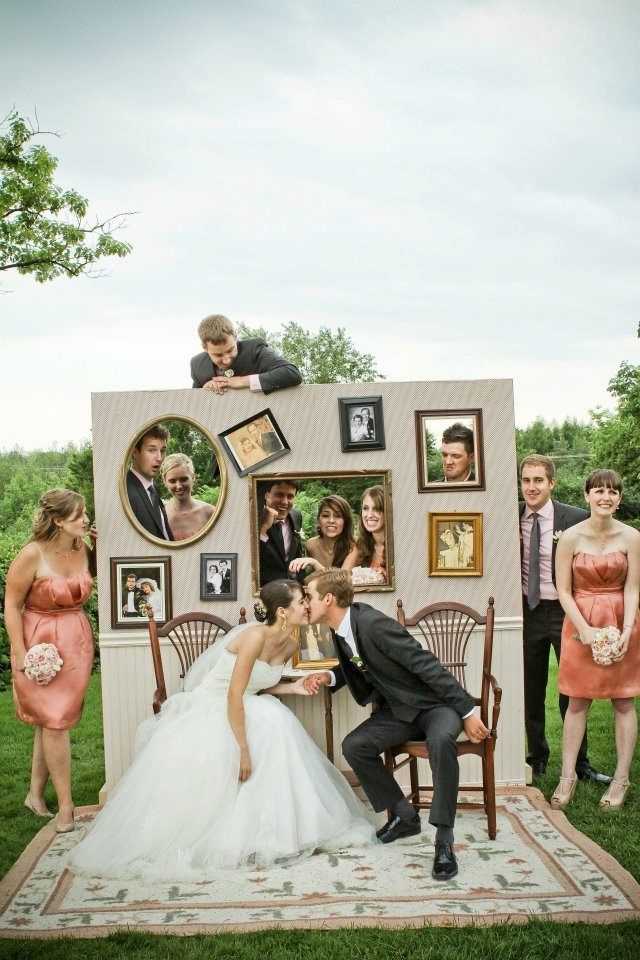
x: 140, y: 587
x: 254, y: 442
x: 455, y: 544
x: 361, y: 423
x: 449, y: 449
x: 218, y: 576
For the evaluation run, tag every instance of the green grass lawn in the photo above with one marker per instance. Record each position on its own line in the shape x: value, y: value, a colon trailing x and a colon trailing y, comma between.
x: 618, y: 833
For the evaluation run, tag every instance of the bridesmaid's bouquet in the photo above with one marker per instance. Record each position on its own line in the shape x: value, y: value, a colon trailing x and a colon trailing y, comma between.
x: 42, y: 662
x: 606, y: 645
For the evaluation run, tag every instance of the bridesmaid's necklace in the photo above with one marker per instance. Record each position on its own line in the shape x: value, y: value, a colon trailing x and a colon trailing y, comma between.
x: 65, y: 555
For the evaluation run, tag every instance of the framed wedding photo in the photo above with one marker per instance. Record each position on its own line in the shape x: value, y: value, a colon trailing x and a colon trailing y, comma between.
x: 449, y: 447
x: 254, y: 442
x: 455, y: 544
x: 361, y: 423
x: 316, y: 650
x: 140, y: 586
x: 218, y: 576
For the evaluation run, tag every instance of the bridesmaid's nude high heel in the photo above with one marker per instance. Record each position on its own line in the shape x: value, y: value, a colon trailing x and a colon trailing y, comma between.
x: 65, y: 827
x: 42, y: 812
x: 608, y: 803
x: 560, y: 800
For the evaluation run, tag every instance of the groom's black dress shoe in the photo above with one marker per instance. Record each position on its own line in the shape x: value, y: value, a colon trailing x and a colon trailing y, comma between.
x: 590, y: 773
x: 397, y: 828
x: 445, y: 865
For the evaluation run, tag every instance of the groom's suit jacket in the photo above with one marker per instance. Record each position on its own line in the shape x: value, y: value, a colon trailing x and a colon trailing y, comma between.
x: 254, y: 356
x: 564, y: 516
x: 397, y: 668
x: 142, y: 509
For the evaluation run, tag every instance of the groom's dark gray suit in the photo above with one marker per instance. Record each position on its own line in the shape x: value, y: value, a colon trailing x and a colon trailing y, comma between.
x: 254, y: 356
x: 418, y: 699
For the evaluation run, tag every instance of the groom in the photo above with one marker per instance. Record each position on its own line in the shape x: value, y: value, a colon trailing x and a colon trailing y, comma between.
x: 380, y: 661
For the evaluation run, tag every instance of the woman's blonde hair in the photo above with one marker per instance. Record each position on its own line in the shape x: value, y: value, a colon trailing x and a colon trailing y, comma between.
x: 56, y: 504
x: 177, y: 460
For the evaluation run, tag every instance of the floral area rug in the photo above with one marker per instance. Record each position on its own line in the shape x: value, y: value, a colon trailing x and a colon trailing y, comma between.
x: 539, y: 865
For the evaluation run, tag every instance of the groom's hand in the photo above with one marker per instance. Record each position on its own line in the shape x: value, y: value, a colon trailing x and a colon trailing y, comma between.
x: 314, y: 681
x: 475, y: 729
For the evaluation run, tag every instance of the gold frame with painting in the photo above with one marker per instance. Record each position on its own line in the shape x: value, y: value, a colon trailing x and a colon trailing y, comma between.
x: 315, y: 640
x: 455, y: 544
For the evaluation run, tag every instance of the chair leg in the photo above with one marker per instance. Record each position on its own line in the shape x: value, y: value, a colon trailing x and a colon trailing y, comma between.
x: 490, y: 787
x: 415, y: 783
x: 390, y: 765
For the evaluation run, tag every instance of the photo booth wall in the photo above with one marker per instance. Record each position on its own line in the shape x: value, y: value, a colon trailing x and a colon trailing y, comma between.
x: 309, y: 418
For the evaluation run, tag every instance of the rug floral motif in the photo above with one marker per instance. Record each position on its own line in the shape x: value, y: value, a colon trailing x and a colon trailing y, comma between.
x: 538, y: 866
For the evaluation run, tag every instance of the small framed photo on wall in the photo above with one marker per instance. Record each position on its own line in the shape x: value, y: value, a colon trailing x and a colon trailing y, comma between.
x: 455, y: 544
x: 449, y: 450
x: 254, y: 442
x: 140, y: 586
x: 218, y: 576
x: 361, y: 423
x: 316, y: 650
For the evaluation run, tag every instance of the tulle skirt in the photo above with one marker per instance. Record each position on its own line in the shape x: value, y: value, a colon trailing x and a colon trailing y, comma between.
x: 181, y: 812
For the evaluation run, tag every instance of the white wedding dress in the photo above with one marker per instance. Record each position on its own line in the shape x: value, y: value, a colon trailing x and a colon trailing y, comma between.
x: 180, y: 810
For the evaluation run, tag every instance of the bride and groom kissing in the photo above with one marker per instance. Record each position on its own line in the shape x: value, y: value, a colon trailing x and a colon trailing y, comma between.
x: 224, y: 778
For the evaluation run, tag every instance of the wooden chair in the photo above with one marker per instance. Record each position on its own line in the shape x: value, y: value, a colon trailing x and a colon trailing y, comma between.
x: 447, y: 628
x: 190, y: 635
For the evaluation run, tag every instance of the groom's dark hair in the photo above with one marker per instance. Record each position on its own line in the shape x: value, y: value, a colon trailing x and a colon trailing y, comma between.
x: 336, y: 582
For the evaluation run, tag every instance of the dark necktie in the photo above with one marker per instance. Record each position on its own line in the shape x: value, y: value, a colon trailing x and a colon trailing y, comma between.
x: 278, y: 536
x: 533, y: 586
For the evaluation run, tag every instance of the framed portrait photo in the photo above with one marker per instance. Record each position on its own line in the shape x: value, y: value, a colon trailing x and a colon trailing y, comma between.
x: 316, y: 650
x: 254, y: 442
x: 361, y: 423
x: 140, y: 586
x: 455, y: 544
x: 449, y: 450
x: 218, y: 576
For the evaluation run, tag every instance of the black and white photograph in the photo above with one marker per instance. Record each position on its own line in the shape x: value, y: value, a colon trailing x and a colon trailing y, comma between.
x: 140, y: 589
x: 218, y: 576
x: 361, y: 424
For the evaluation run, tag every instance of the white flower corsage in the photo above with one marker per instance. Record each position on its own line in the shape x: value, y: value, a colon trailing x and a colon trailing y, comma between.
x: 42, y: 662
x: 358, y: 661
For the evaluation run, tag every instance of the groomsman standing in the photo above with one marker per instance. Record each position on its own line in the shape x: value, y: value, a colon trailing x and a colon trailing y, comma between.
x: 542, y: 521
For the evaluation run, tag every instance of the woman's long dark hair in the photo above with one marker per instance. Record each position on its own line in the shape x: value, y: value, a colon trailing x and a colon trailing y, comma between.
x: 345, y: 541
x: 366, y: 543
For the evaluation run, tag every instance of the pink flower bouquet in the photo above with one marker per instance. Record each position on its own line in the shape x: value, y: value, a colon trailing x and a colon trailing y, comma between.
x: 42, y: 662
x: 606, y: 645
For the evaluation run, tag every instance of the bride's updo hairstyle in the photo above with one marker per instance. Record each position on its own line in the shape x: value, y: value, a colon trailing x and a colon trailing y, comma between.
x: 56, y: 504
x: 278, y: 593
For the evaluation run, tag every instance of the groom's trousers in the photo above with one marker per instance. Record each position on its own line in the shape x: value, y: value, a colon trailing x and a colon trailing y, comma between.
x: 438, y: 727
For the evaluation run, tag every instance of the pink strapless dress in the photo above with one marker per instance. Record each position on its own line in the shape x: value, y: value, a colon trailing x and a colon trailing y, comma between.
x: 53, y: 614
x: 598, y: 583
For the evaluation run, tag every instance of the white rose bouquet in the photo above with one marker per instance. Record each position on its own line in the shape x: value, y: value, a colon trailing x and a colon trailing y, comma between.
x: 42, y: 662
x: 606, y: 645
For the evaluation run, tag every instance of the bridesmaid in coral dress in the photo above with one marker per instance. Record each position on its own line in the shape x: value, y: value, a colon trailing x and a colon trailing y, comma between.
x: 598, y: 580
x: 47, y: 584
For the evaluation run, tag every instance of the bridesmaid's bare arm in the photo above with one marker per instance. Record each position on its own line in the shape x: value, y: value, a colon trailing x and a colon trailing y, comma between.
x: 631, y: 586
x: 564, y: 583
x: 20, y: 576
x: 92, y: 551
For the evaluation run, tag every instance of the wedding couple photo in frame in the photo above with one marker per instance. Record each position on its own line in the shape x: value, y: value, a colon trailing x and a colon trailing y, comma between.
x: 455, y: 544
x: 218, y: 576
x: 449, y: 449
x: 254, y: 442
x: 361, y: 423
x: 140, y: 586
x: 316, y: 650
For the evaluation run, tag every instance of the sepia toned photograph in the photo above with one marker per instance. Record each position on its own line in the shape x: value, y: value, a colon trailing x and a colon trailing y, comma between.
x: 316, y: 649
x: 140, y: 589
x: 254, y: 442
x: 449, y: 450
x: 455, y: 544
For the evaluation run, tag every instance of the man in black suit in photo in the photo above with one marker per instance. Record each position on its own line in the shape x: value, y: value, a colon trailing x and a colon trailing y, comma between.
x: 542, y: 521
x: 418, y: 699
x: 279, y: 532
x: 227, y: 363
x: 146, y: 460
x: 132, y: 597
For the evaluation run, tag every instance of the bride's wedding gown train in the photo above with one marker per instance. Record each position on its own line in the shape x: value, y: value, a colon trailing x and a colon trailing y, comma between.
x: 181, y: 812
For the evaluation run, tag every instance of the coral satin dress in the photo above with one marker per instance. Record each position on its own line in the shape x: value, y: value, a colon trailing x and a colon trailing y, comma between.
x: 53, y: 614
x: 598, y: 584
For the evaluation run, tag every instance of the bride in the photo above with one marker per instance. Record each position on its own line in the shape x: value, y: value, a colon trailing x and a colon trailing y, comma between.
x: 224, y: 778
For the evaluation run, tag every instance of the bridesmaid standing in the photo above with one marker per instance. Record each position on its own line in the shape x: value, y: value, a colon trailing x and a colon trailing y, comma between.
x: 47, y: 584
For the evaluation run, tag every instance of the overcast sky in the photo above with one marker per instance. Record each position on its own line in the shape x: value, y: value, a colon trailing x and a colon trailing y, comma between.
x: 456, y: 183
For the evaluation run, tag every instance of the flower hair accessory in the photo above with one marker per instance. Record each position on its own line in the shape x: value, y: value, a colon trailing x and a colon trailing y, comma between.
x: 606, y: 646
x: 260, y: 607
x: 42, y: 662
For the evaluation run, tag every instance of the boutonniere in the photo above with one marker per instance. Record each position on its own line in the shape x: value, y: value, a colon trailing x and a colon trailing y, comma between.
x: 557, y: 535
x: 358, y: 661
x: 300, y: 534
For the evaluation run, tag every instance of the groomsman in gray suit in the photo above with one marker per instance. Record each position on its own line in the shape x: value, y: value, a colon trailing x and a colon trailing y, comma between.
x: 231, y: 364
x: 418, y: 699
x: 542, y: 521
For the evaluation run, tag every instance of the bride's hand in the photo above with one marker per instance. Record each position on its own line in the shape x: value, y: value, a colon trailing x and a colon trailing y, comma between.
x: 298, y: 686
x: 245, y: 765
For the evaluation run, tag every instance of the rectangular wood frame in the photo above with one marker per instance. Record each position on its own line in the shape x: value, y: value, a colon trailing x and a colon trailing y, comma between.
x: 345, y: 405
x: 459, y: 554
x: 232, y: 560
x: 430, y: 486
x: 144, y: 564
x: 307, y: 636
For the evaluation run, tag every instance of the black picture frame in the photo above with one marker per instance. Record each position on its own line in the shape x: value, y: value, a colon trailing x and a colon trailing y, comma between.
x: 208, y: 587
x: 157, y: 570
x: 367, y: 434
x: 235, y: 438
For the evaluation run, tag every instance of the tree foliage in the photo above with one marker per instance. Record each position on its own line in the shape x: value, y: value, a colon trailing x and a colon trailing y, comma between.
x: 569, y: 444
x: 43, y: 230
x: 616, y: 441
x: 328, y: 356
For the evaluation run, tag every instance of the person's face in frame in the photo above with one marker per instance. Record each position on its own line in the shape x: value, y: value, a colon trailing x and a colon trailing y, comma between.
x: 148, y: 456
x: 330, y: 522
x: 457, y: 463
x: 372, y: 518
x: 603, y: 501
x: 146, y: 588
x: 254, y: 432
x: 247, y: 445
x: 536, y: 486
x: 365, y: 415
x: 281, y: 498
x: 179, y: 482
x: 223, y: 354
x: 131, y: 583
x: 223, y: 566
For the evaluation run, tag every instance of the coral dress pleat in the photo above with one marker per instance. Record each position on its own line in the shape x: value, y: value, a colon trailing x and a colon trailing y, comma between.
x: 53, y: 614
x: 598, y: 585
